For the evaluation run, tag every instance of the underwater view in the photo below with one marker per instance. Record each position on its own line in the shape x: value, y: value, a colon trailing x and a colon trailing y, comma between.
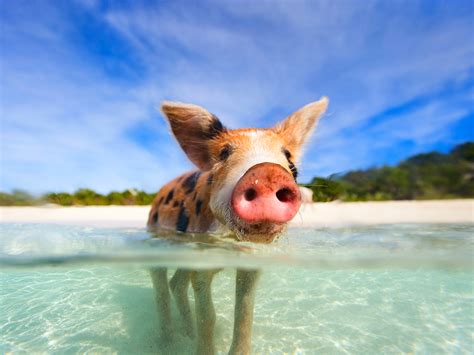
x: 386, y: 288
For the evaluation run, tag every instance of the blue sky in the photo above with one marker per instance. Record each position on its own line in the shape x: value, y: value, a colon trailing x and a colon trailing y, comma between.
x: 80, y: 81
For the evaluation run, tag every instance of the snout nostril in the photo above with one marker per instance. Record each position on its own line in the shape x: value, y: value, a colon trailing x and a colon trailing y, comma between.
x: 285, y: 195
x: 250, y: 194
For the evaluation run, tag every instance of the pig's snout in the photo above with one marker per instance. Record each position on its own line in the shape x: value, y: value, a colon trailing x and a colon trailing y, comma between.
x: 266, y: 193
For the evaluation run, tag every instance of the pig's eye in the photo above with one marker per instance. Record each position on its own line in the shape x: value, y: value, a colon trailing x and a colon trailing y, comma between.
x: 225, y: 152
x: 291, y: 165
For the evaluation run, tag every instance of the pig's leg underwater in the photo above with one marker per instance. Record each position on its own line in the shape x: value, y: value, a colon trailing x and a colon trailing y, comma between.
x: 179, y: 285
x: 245, y: 287
x: 163, y: 304
x: 205, y: 313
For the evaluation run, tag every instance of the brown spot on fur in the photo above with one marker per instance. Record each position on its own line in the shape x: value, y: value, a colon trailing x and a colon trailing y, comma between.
x: 215, y: 128
x: 183, y: 220
x: 155, y: 217
x: 169, y: 197
x: 190, y: 182
x: 198, y: 207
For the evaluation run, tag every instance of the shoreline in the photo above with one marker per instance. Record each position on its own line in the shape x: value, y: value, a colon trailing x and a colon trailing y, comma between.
x: 320, y: 214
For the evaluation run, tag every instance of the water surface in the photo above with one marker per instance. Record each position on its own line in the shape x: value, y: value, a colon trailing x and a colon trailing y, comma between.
x: 392, y: 288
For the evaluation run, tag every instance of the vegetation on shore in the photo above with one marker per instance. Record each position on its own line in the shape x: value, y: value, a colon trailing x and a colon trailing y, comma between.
x: 421, y: 177
x: 82, y: 197
x: 424, y: 176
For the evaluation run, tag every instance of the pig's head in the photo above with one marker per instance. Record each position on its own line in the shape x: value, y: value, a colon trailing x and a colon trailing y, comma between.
x: 253, y: 171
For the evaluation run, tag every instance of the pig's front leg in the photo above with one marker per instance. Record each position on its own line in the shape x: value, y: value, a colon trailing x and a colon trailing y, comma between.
x: 179, y: 285
x: 162, y: 297
x: 245, y: 287
x: 205, y: 313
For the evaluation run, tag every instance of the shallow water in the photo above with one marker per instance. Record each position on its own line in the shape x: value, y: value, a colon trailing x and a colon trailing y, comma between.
x: 393, y: 288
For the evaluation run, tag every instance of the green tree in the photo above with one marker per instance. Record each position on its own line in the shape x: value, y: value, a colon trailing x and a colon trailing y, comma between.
x: 87, y: 197
x: 464, y: 151
x: 114, y: 198
x: 61, y: 198
x: 17, y: 198
x: 423, y: 176
x: 325, y: 190
x: 143, y: 198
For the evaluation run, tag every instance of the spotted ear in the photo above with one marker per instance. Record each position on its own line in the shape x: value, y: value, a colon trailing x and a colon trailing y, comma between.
x: 297, y: 128
x: 193, y: 127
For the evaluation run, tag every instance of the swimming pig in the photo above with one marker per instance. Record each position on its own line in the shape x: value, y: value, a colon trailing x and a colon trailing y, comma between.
x: 246, y: 185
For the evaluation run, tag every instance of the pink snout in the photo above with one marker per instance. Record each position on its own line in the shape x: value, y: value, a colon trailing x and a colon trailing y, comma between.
x: 266, y: 193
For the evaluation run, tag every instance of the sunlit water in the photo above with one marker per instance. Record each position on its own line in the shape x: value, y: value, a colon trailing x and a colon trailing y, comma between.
x: 394, y: 288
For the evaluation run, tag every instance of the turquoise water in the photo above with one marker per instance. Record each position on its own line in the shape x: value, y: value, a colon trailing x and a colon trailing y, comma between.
x: 366, y: 290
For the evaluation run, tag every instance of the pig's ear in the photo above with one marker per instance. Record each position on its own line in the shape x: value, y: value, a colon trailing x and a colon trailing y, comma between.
x: 297, y: 127
x: 193, y: 127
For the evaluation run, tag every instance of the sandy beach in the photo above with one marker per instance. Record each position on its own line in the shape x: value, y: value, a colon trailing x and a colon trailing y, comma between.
x: 310, y: 215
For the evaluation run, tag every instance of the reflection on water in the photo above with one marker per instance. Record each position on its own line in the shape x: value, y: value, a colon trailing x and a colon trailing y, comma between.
x: 404, y: 288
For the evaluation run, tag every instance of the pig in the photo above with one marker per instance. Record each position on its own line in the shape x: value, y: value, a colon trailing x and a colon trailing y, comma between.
x: 244, y: 185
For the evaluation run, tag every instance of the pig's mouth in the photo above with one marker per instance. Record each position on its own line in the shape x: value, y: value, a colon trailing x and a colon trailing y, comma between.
x: 257, y: 232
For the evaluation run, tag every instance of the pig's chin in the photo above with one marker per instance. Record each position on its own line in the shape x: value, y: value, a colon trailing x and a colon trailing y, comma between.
x: 259, y: 232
